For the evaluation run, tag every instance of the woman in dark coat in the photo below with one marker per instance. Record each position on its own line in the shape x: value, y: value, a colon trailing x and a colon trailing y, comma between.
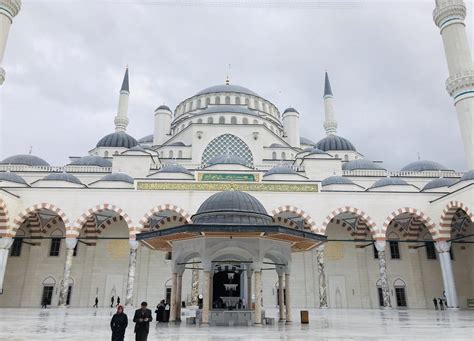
x: 160, y: 311
x: 118, y: 324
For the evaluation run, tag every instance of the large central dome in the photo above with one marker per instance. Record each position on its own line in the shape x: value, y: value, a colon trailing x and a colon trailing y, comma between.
x: 227, y: 88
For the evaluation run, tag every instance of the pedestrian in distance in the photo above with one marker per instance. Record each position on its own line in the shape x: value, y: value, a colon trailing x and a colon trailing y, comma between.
x: 44, y: 303
x: 435, y: 302
x: 96, y: 302
x: 160, y: 311
x: 441, y: 307
x: 119, y: 324
x: 118, y: 300
x: 112, y: 299
x: 142, y: 319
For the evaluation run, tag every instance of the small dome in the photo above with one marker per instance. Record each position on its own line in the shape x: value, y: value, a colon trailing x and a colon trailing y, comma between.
x: 173, y: 168
x: 232, y: 207
x: 423, y: 165
x: 237, y: 109
x: 467, y: 176
x: 389, y: 182
x: 440, y: 182
x: 227, y: 159
x: 226, y: 88
x: 277, y: 145
x: 177, y: 144
x: 62, y: 177
x: 334, y: 142
x: 306, y: 142
x: 313, y: 150
x: 92, y: 161
x: 163, y: 107
x: 360, y: 164
x: 146, y: 139
x: 337, y: 180
x: 118, y: 177
x: 280, y: 169
x: 117, y: 140
x: 290, y: 109
x: 12, y: 177
x: 24, y: 159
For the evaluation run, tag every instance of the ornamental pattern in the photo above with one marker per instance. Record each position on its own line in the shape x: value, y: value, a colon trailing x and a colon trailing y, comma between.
x: 226, y: 186
x: 227, y: 144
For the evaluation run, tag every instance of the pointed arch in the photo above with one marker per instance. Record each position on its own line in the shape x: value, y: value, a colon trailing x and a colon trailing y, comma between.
x: 161, y: 208
x: 446, y: 218
x: 349, y: 209
x: 421, y: 216
x: 83, y: 219
x: 295, y: 210
x: 3, y: 219
x: 38, y: 207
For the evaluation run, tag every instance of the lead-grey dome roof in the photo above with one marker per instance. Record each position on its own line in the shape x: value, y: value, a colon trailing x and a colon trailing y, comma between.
x: 173, y: 168
x: 25, y: 159
x: 177, y: 144
x: 227, y: 159
x: 62, y: 177
x: 307, y: 142
x: 360, y: 164
x: 334, y: 142
x: 227, y: 88
x: 337, y: 180
x: 290, y: 109
x: 280, y: 169
x: 12, y: 177
x: 146, y: 139
x: 117, y: 140
x: 423, y: 165
x: 118, y: 177
x: 237, y: 109
x: 92, y: 160
x: 163, y: 107
x: 440, y: 182
x: 467, y: 176
x: 232, y: 207
x: 389, y: 182
x: 313, y: 150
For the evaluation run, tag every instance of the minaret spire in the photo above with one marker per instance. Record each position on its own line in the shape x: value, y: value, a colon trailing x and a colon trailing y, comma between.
x: 121, y: 120
x: 330, y: 123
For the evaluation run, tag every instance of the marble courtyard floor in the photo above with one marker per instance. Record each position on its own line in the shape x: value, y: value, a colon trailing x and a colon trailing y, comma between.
x: 329, y: 324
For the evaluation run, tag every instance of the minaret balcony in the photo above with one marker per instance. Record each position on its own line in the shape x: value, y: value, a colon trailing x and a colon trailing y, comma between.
x: 448, y: 12
x: 461, y: 85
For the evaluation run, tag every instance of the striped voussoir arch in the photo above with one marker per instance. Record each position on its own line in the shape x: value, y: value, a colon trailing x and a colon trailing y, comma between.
x: 26, y: 214
x: 161, y: 208
x: 83, y: 219
x: 295, y: 210
x: 447, y: 216
x: 3, y: 219
x: 366, y: 219
x: 419, y: 215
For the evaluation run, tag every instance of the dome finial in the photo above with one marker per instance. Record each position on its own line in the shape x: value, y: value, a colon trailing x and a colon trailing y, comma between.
x: 227, y: 80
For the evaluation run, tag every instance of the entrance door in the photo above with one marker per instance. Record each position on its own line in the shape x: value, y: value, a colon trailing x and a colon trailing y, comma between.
x: 337, y: 292
x: 226, y: 289
x: 47, y: 295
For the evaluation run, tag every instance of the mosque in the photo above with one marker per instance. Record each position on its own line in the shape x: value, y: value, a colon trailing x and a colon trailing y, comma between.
x: 224, y: 204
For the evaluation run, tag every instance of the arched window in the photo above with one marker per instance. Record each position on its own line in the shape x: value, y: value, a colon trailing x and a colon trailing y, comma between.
x: 336, y: 156
x: 255, y: 121
x: 237, y: 100
x: 190, y: 106
x: 106, y: 154
x: 346, y: 157
x: 180, y: 154
x: 247, y: 101
x: 218, y: 100
x: 170, y: 154
x: 222, y: 120
x: 400, y: 293
x: 199, y: 121
x: 233, y: 120
x: 210, y: 120
x: 274, y: 155
x: 283, y: 156
x: 227, y: 99
x: 116, y: 152
x: 245, y: 120
x: 200, y: 103
x: 227, y: 143
x: 208, y: 101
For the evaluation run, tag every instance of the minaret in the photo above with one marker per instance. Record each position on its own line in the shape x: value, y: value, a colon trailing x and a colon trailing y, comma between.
x: 8, y: 10
x: 291, y: 126
x: 163, y: 119
x: 121, y: 120
x: 330, y: 123
x: 449, y: 16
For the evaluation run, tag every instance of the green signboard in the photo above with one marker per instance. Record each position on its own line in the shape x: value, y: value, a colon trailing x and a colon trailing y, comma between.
x: 227, y: 177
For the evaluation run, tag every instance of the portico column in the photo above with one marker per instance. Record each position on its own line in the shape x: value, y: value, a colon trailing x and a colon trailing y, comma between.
x: 195, y: 286
x: 5, y: 244
x: 207, y: 298
x: 178, y: 296
x: 132, y: 265
x: 249, y: 289
x: 289, y: 318
x: 70, y: 245
x: 443, y: 248
x: 281, y: 296
x: 174, y: 287
x: 323, y: 297
x: 380, y: 246
x: 258, y: 298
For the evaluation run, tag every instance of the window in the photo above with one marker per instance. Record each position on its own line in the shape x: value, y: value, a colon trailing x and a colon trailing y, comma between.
x: 255, y: 121
x: 401, y: 297
x: 380, y: 292
x: 245, y: 120
x: 200, y: 103
x: 233, y: 120
x: 430, y: 250
x: 283, y: 156
x: 16, y: 247
x: 376, y: 252
x: 394, y: 250
x: 171, y: 154
x: 210, y: 120
x: 75, y: 249
x: 247, y: 102
x: 222, y: 120
x: 237, y: 100
x: 274, y: 155
x: 346, y: 157
x: 199, y: 121
x: 208, y: 101
x: 47, y: 295
x: 55, y: 247
x: 218, y: 100
x: 106, y: 154
x: 180, y: 154
x: 190, y: 106
x: 227, y: 100
x: 69, y: 293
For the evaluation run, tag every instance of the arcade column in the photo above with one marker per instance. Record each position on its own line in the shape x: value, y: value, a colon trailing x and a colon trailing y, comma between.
x: 443, y: 249
x: 207, y: 299
x: 132, y: 265
x: 179, y: 290
x: 380, y: 246
x: 323, y: 298
x: 289, y: 318
x: 258, y: 297
x: 70, y: 245
x: 5, y: 244
x: 174, y: 287
x: 281, y: 296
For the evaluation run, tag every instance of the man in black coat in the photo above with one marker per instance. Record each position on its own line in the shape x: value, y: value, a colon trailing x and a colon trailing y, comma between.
x: 142, y: 321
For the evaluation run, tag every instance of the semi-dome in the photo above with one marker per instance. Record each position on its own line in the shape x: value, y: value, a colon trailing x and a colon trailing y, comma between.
x: 163, y: 107
x: 25, y: 159
x: 334, y: 142
x: 118, y: 177
x: 361, y: 164
x: 337, y: 180
x: 227, y: 159
x: 423, y: 165
x: 173, y: 168
x: 12, y: 177
x: 117, y: 140
x: 226, y: 88
x: 62, y: 177
x: 306, y: 142
x: 232, y: 207
x: 90, y: 160
x: 440, y: 182
x: 146, y: 139
x: 234, y: 109
x: 467, y: 176
x: 280, y: 169
x: 389, y: 182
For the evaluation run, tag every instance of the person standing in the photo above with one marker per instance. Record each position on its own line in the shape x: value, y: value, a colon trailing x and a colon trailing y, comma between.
x: 441, y: 307
x: 160, y: 311
x: 112, y: 299
x: 118, y: 300
x: 96, y: 302
x: 44, y: 303
x: 118, y: 324
x: 142, y: 319
x: 435, y: 302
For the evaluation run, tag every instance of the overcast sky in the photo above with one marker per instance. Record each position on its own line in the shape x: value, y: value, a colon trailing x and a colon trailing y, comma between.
x: 65, y: 62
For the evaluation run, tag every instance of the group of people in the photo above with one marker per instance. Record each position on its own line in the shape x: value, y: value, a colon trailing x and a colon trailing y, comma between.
x: 162, y: 311
x: 442, y: 303
x: 142, y: 319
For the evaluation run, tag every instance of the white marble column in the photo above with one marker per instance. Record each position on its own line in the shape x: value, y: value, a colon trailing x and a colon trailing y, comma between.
x: 206, y: 299
x: 5, y: 244
x: 70, y: 245
x: 132, y: 265
x: 443, y: 248
x: 289, y: 317
x: 258, y: 297
x: 174, y: 288
x: 281, y: 296
x: 179, y: 291
x: 380, y: 245
x: 323, y: 297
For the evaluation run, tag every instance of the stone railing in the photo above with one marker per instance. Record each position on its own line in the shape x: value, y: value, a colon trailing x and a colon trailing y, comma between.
x: 56, y: 169
x: 408, y: 174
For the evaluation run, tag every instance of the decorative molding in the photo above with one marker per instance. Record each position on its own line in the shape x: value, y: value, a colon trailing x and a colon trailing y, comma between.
x: 161, y: 208
x: 425, y: 219
x: 297, y: 211
x: 446, y: 217
x: 3, y: 219
x: 461, y: 85
x: 76, y: 228
x: 367, y: 219
x: 448, y: 12
x: 38, y: 207
x: 10, y: 8
x: 211, y: 186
